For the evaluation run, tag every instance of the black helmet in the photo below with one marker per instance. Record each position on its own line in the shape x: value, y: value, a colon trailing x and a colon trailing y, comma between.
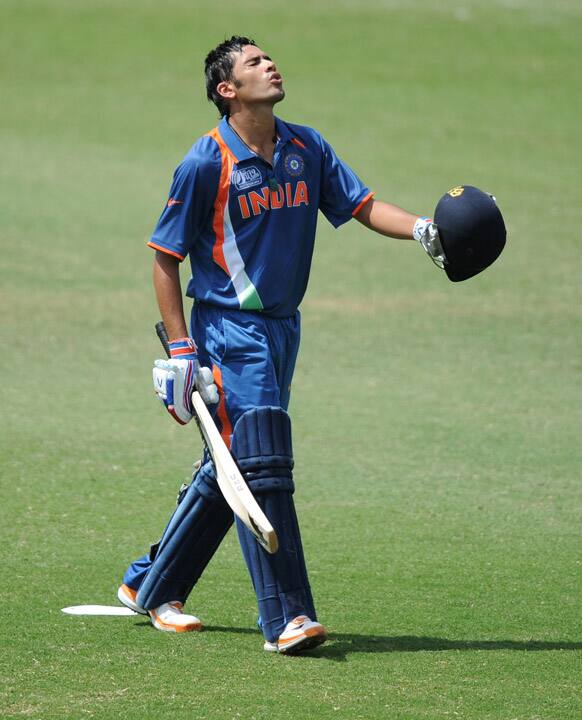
x: 471, y: 230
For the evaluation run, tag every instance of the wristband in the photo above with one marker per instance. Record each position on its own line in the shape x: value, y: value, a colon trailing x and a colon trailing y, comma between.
x: 183, y: 349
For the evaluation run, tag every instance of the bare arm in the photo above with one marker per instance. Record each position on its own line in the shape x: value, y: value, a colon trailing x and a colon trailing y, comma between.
x: 169, y: 294
x: 387, y: 219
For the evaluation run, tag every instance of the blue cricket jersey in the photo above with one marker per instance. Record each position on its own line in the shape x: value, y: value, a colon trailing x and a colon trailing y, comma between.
x: 249, y: 227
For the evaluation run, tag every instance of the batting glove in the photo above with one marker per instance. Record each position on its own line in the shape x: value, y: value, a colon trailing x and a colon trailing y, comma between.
x: 176, y: 378
x: 427, y: 234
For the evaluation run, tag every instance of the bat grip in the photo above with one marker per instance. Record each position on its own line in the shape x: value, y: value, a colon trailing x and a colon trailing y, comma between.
x: 163, y: 335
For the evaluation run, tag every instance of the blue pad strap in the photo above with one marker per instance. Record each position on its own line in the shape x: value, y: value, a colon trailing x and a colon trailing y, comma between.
x: 191, y: 538
x: 262, y: 447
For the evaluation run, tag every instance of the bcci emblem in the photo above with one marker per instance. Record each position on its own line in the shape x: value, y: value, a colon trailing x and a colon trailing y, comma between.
x: 294, y: 164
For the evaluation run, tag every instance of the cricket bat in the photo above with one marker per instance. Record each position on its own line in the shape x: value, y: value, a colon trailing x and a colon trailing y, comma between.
x: 230, y: 481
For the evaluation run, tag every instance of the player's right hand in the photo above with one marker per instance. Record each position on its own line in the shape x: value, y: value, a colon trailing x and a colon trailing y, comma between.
x: 174, y: 382
x: 176, y: 378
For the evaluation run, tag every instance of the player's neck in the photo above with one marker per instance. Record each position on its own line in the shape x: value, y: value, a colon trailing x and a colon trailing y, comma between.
x: 256, y: 128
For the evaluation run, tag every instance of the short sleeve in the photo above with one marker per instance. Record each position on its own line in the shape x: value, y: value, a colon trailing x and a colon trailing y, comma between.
x: 342, y: 191
x: 191, y: 199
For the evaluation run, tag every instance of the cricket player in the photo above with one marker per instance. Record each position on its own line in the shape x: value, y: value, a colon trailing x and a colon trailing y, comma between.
x: 243, y: 207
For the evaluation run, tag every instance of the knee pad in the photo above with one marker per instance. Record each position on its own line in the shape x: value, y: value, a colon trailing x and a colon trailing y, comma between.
x: 261, y: 445
x: 262, y: 448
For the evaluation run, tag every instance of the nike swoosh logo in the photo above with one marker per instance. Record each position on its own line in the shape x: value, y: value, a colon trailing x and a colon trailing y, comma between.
x: 171, y: 202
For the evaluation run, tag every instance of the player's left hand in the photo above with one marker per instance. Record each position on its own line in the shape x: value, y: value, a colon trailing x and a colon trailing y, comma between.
x: 427, y: 234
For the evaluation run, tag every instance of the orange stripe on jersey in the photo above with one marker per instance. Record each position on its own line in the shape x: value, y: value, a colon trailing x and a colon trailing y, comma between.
x: 362, y: 203
x: 225, y: 424
x: 221, y: 202
x: 298, y: 142
x: 165, y: 250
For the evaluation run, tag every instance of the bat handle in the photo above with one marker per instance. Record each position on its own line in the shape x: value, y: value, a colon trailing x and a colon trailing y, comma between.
x: 163, y: 335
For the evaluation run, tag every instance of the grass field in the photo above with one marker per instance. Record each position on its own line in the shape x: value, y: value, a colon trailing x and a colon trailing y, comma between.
x: 436, y: 426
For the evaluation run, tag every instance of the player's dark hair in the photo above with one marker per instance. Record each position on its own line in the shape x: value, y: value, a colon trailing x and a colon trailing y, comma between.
x: 218, y: 68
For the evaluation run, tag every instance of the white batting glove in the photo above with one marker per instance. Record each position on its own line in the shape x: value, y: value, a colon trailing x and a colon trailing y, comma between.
x: 204, y: 381
x: 427, y: 234
x: 176, y: 378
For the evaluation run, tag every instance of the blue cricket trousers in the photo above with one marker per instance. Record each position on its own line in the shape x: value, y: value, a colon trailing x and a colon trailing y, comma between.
x: 252, y: 357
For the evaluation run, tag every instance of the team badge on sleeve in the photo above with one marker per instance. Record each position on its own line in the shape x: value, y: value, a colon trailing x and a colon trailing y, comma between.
x: 294, y: 164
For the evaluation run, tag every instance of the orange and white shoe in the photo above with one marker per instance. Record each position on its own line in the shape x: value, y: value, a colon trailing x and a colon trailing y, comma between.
x: 299, y: 634
x: 170, y: 618
x: 127, y: 596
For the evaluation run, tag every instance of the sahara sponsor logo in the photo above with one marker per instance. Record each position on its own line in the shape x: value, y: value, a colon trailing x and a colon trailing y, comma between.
x: 247, y: 177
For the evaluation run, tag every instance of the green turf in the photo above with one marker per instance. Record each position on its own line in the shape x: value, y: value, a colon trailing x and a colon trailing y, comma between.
x: 436, y: 426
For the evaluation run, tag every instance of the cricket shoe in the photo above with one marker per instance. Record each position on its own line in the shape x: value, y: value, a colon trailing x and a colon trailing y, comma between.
x: 170, y: 618
x: 299, y: 634
x: 127, y: 596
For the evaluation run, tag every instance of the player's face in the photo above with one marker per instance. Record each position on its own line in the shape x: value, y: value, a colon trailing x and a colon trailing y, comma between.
x: 255, y: 77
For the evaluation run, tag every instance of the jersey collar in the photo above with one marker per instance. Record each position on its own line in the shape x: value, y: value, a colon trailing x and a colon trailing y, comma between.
x: 239, y: 149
